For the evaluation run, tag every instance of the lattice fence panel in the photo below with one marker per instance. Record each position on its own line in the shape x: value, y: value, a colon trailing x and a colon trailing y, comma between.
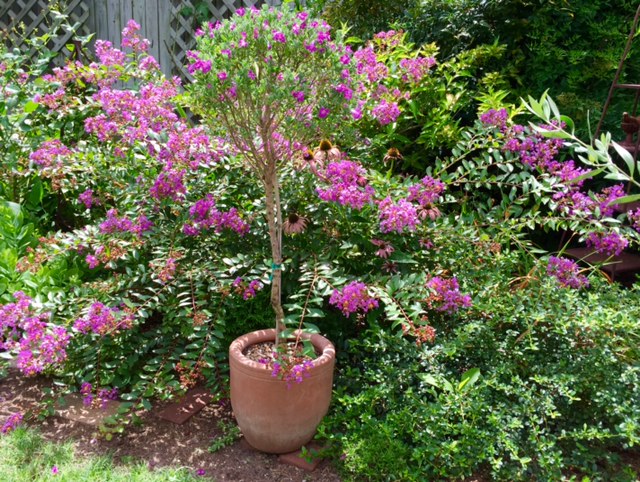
x: 183, y: 25
x: 21, y: 20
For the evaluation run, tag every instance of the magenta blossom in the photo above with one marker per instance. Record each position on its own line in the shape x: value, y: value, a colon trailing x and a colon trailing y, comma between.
x: 353, y: 298
x: 447, y: 294
x: 397, y: 217
x: 567, y: 272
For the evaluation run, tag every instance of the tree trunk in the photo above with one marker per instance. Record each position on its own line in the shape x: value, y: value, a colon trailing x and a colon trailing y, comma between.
x: 274, y: 220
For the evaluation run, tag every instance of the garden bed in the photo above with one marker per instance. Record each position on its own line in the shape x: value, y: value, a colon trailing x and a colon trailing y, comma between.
x: 161, y: 443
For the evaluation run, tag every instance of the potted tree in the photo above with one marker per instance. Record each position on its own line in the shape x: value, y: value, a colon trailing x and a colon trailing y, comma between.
x: 272, y: 82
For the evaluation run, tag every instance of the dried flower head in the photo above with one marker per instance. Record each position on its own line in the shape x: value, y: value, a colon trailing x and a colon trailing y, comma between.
x: 393, y: 154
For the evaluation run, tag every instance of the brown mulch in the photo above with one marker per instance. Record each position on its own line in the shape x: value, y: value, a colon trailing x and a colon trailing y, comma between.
x: 159, y: 442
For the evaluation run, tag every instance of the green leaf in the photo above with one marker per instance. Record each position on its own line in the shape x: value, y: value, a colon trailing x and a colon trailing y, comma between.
x: 626, y: 157
x: 626, y: 199
x: 468, y: 379
x: 30, y: 106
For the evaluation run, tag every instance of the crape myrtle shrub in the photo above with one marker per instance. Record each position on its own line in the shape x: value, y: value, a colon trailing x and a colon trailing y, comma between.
x: 163, y: 256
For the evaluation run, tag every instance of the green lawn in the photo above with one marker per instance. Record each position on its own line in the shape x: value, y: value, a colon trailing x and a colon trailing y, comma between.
x: 26, y: 456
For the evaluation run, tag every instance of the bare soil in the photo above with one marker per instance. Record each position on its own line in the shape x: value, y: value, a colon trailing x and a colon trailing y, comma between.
x: 159, y: 442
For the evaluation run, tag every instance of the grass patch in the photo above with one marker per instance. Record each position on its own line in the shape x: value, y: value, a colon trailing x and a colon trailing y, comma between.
x: 26, y: 456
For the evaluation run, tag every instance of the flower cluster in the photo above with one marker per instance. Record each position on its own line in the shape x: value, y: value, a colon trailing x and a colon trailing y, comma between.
x: 386, y: 112
x: 247, y: 290
x: 495, y: 118
x: 348, y: 185
x: 634, y: 218
x: 397, y: 217
x: 12, y: 422
x: 204, y: 216
x: 611, y: 244
x: 50, y: 153
x: 353, y: 298
x: 367, y: 64
x: 447, y: 295
x: 534, y: 150
x: 87, y: 199
x: 115, y: 224
x: 39, y: 344
x: 103, y: 320
x: 427, y: 192
x: 416, y: 68
x: 287, y: 367
x: 567, y: 272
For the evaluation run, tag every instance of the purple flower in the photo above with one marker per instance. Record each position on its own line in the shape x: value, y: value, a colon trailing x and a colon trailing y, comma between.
x: 204, y: 215
x: 222, y: 76
x: 323, y: 113
x: 447, y: 294
x: 397, y: 217
x: 103, y: 320
x: 38, y: 343
x: 426, y: 192
x: 348, y: 185
x: 279, y: 37
x: 54, y: 470
x: 415, y: 69
x: 610, y: 244
x: 12, y: 422
x: 50, y: 153
x: 169, y: 184
x: 386, y: 112
x: 87, y: 198
x: 92, y: 261
x: 298, y: 95
x: 567, y: 272
x: 495, y: 118
x: 353, y: 298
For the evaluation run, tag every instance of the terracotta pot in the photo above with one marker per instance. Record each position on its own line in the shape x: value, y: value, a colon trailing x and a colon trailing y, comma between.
x: 274, y: 417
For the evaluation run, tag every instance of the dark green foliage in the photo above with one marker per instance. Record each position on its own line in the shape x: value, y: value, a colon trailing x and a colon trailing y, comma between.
x: 557, y: 386
x: 571, y: 48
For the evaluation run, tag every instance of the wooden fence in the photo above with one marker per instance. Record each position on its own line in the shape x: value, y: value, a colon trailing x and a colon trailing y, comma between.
x: 168, y: 24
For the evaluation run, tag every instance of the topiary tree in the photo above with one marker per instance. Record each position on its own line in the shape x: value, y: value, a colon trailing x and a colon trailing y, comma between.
x: 271, y: 81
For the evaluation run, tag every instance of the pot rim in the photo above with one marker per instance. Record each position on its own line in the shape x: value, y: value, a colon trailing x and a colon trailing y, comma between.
x: 319, y: 342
